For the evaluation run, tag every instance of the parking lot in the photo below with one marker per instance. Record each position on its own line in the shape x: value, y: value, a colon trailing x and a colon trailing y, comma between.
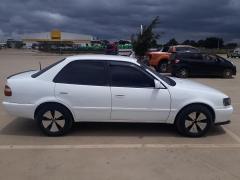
x: 115, y: 150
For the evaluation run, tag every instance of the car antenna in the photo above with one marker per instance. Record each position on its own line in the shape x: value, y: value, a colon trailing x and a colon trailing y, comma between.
x: 40, y: 65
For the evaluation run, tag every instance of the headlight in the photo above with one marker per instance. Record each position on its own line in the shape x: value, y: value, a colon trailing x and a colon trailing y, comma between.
x: 227, y: 101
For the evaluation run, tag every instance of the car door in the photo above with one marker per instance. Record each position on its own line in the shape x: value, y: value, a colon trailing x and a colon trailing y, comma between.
x: 84, y: 86
x: 212, y: 65
x: 196, y: 63
x: 134, y: 97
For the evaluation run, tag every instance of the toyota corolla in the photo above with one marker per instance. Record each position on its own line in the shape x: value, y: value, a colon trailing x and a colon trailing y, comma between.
x: 101, y: 88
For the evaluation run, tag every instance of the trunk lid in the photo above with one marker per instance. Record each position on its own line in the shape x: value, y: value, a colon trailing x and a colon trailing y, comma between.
x: 22, y: 75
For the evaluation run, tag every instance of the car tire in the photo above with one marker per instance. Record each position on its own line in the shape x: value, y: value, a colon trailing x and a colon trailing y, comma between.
x: 182, y: 73
x: 227, y: 73
x: 194, y: 121
x: 54, y: 120
x: 162, y: 67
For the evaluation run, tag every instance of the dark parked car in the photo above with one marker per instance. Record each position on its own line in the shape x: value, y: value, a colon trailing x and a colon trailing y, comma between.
x: 186, y: 64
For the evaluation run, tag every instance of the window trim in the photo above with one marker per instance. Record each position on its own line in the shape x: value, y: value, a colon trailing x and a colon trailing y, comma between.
x: 92, y: 60
x: 132, y: 65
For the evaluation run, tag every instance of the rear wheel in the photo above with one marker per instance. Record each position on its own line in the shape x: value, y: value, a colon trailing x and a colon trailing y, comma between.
x: 194, y: 121
x: 227, y: 73
x: 54, y: 120
x: 162, y: 67
x: 182, y: 73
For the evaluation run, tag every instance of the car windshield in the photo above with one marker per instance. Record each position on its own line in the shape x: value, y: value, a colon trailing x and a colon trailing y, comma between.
x: 46, y: 69
x: 186, y: 49
x: 165, y: 49
x: 166, y: 79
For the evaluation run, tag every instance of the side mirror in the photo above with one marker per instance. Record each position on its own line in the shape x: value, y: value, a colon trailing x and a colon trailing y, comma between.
x: 158, y: 84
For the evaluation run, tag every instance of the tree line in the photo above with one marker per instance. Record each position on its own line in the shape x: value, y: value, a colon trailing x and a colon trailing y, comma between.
x: 209, y: 43
x: 145, y: 39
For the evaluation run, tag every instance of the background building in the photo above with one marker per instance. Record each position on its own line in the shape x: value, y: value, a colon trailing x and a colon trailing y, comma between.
x: 56, y: 37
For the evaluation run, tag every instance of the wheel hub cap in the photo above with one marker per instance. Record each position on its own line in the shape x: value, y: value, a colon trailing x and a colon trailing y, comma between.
x: 53, y: 121
x: 196, y: 122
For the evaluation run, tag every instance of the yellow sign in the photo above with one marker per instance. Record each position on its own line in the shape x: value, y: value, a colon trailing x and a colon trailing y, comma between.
x: 56, y: 35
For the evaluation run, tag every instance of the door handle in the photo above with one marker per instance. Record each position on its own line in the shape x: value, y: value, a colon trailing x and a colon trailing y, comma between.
x: 120, y: 95
x: 63, y: 93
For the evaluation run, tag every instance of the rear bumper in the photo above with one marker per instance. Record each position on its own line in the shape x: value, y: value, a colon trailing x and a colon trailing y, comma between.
x: 20, y: 110
x: 235, y: 71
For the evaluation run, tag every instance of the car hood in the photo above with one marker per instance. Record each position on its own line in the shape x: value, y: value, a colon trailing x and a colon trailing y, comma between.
x: 189, y: 85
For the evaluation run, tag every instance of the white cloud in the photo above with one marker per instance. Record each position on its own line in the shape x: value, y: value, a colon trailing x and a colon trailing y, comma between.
x: 54, y: 18
x: 1, y: 33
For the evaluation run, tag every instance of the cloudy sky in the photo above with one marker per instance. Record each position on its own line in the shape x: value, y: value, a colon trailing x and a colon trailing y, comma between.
x: 118, y: 19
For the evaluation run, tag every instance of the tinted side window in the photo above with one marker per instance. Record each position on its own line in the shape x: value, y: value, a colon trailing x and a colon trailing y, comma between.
x: 196, y: 56
x: 186, y: 49
x: 191, y: 56
x: 83, y: 73
x: 129, y: 76
x: 210, y: 58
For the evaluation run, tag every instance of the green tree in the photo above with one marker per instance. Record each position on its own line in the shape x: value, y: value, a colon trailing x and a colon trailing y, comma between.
x: 146, y: 39
x: 171, y: 42
x: 190, y: 43
x: 231, y: 45
x: 213, y: 42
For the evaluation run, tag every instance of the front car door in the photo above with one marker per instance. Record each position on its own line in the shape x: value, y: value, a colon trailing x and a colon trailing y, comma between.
x: 134, y: 97
x: 212, y: 65
x: 84, y: 86
x: 196, y: 63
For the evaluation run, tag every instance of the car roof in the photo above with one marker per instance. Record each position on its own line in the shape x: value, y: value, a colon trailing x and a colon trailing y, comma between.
x: 184, y: 46
x: 101, y: 57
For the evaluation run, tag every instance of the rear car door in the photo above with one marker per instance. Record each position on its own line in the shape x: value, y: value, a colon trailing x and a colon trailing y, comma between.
x: 134, y: 97
x: 84, y: 86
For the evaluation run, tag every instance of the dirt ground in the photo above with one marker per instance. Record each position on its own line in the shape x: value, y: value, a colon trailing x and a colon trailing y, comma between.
x: 115, y: 150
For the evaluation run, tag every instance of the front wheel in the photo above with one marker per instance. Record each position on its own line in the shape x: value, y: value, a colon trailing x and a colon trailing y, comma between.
x: 54, y: 120
x: 227, y: 73
x: 182, y: 73
x: 194, y: 121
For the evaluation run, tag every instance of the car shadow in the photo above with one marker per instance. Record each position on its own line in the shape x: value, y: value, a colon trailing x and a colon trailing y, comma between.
x: 28, y: 127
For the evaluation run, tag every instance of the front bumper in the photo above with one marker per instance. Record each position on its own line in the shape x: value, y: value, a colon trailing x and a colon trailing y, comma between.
x: 222, y: 115
x: 223, y: 123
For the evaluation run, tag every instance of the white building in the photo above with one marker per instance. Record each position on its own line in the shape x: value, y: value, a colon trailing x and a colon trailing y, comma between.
x: 56, y: 37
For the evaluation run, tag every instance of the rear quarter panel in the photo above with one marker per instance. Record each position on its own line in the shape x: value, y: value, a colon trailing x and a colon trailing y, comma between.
x: 29, y: 90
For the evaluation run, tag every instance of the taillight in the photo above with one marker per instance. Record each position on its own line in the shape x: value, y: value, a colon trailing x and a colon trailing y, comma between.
x: 176, y: 61
x: 7, y: 91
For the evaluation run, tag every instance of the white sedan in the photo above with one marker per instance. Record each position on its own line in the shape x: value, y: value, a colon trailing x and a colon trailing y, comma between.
x: 100, y: 88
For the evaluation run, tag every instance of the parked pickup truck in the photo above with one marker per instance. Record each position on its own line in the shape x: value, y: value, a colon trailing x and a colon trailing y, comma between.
x: 160, y: 59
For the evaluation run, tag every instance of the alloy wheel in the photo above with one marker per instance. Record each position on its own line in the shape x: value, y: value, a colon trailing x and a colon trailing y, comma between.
x: 196, y: 122
x: 227, y: 73
x: 53, y: 121
x: 182, y: 73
